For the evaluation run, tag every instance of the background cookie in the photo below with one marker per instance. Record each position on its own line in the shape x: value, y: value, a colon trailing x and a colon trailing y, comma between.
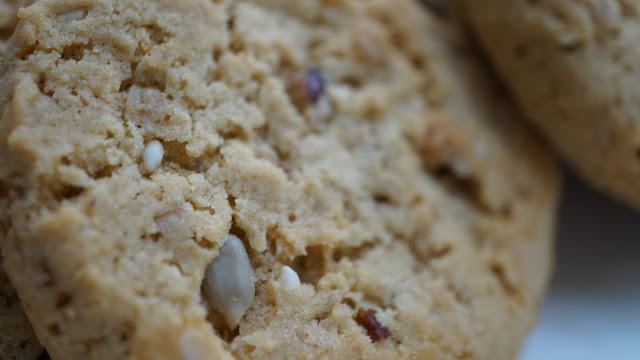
x: 573, y: 68
x: 8, y: 18
x: 389, y: 204
x: 17, y: 340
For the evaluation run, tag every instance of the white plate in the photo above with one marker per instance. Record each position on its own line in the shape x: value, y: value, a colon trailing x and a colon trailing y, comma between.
x: 593, y: 310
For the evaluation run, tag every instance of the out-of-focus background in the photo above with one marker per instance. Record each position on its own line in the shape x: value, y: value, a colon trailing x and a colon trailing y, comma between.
x: 593, y: 309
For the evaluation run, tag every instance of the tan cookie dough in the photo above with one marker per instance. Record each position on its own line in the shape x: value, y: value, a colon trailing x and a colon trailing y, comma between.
x: 574, y: 67
x: 389, y: 203
x: 17, y: 340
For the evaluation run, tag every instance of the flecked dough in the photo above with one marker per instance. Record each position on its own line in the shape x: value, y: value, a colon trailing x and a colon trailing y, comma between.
x: 358, y: 145
x: 573, y: 66
x: 17, y: 339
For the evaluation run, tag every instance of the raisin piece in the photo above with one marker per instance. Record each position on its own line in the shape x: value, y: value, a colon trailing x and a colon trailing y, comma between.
x: 367, y: 319
x: 308, y: 88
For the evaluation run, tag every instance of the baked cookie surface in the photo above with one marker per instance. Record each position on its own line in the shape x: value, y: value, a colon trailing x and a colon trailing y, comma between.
x: 573, y: 68
x: 353, y: 153
x: 17, y: 340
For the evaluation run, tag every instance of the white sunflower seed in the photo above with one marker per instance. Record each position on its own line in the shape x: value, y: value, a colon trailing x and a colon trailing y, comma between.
x: 229, y: 283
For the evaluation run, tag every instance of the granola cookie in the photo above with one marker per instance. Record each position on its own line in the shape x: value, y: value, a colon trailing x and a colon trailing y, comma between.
x: 266, y: 180
x: 574, y: 67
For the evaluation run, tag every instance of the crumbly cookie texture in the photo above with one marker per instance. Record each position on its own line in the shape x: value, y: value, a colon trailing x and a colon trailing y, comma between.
x: 17, y: 339
x: 358, y: 143
x: 573, y: 66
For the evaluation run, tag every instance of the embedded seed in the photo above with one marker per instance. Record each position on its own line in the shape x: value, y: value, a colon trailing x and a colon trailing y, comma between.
x: 152, y: 156
x: 289, y: 277
x: 229, y: 283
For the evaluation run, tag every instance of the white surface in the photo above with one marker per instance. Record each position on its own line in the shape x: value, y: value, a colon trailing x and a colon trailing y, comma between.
x: 593, y: 310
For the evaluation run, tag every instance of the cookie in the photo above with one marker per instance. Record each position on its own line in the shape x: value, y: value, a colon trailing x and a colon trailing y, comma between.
x: 17, y: 340
x: 8, y: 19
x: 573, y: 68
x: 266, y: 180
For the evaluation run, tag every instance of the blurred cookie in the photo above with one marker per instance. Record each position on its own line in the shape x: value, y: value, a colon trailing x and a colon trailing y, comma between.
x: 573, y: 66
x: 8, y: 18
x: 17, y: 340
x: 266, y: 180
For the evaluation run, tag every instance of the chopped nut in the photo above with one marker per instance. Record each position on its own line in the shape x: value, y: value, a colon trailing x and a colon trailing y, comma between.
x: 229, y: 283
x: 152, y: 156
x: 289, y: 277
x: 367, y: 319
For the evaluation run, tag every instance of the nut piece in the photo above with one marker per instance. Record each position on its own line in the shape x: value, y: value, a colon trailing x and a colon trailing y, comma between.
x: 152, y: 156
x: 229, y: 282
x: 289, y: 277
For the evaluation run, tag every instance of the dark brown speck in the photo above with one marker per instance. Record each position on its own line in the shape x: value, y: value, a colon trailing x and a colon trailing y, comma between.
x: 367, y: 319
x: 308, y: 88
